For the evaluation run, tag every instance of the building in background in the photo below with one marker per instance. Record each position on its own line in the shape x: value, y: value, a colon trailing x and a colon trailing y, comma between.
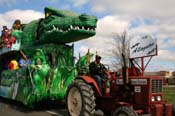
x: 169, y: 77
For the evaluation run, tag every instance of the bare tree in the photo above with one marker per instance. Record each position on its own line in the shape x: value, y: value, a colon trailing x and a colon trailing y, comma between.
x: 121, y: 52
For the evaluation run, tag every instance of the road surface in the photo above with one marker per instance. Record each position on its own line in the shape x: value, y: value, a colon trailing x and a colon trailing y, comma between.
x: 13, y: 108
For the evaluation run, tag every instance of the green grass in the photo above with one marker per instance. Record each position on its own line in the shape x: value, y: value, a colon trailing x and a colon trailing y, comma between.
x: 169, y: 93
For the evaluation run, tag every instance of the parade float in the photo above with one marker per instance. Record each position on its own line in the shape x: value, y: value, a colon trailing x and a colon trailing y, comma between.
x: 36, y: 63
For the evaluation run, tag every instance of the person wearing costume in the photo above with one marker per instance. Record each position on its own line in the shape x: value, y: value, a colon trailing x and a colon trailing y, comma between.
x: 5, y: 36
x: 17, y: 25
x: 9, y: 38
x: 97, y: 70
x: 39, y: 58
x: 40, y: 71
x: 4, y: 30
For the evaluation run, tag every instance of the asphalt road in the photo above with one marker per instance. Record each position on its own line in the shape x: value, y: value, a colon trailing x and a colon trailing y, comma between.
x: 13, y: 108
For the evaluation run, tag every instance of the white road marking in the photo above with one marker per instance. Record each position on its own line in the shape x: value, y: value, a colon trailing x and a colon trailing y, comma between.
x: 54, y: 113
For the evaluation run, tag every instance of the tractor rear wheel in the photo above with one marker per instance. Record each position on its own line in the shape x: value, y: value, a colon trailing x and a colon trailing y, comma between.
x: 80, y: 99
x: 124, y: 111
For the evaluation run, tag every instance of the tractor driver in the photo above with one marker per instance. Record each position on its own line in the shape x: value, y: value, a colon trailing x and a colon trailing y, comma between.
x: 97, y: 70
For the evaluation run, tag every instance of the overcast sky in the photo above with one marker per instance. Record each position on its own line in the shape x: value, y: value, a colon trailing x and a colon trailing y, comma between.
x: 152, y: 17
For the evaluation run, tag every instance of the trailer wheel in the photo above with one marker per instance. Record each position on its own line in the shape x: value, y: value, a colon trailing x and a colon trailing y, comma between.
x: 80, y: 99
x: 124, y: 111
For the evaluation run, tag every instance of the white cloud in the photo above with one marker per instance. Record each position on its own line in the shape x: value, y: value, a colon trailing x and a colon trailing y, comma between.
x: 110, y: 24
x: 160, y: 12
x: 164, y: 61
x: 104, y: 33
x: 98, y: 8
x: 137, y: 7
x: 101, y: 42
x: 166, y: 55
x: 24, y: 15
x: 163, y: 32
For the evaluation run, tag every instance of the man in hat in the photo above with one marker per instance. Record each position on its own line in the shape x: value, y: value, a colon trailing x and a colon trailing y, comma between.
x: 97, y: 70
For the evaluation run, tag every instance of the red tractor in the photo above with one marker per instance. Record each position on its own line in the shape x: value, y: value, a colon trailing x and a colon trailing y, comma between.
x: 141, y: 96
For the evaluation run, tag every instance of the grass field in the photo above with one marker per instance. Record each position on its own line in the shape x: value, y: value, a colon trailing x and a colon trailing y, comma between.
x: 169, y: 93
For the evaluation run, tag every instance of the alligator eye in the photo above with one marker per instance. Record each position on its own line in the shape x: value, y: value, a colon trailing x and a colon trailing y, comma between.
x: 47, y: 14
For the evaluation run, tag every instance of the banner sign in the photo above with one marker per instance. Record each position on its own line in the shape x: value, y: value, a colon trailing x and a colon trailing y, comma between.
x: 143, y: 47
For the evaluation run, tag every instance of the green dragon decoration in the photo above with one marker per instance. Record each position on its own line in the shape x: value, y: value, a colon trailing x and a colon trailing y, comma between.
x: 59, y: 26
x: 44, y: 42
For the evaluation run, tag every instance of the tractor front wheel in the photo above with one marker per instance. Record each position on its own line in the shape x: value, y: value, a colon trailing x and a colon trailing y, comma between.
x: 80, y: 99
x: 124, y: 111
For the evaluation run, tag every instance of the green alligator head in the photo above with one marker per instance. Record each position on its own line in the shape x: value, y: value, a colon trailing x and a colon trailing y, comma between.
x: 63, y: 26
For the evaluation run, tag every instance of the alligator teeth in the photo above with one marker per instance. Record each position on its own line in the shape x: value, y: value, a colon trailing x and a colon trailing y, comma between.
x: 54, y: 27
x: 71, y: 26
x: 77, y: 28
